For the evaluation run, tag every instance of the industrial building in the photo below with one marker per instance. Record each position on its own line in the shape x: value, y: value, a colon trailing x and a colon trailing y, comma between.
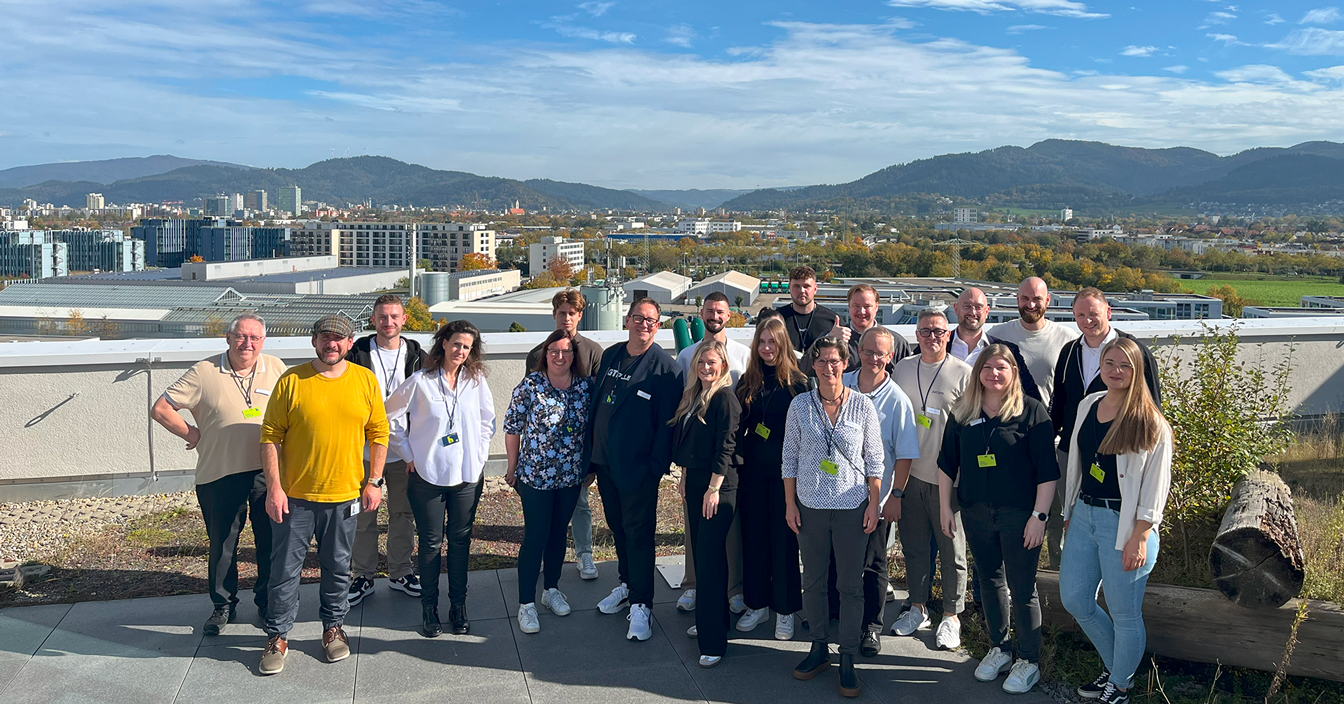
x: 1289, y: 312
x: 294, y: 275
x: 531, y: 310
x: 662, y: 286
x: 37, y: 254
x: 439, y: 286
x: 733, y: 284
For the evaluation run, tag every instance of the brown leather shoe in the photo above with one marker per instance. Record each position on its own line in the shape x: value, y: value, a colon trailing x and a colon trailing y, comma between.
x: 273, y: 657
x: 336, y: 645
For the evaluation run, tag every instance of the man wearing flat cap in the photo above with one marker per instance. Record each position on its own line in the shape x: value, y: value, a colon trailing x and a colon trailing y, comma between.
x: 318, y: 420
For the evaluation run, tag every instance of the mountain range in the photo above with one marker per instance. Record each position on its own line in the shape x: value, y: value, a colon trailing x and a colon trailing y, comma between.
x: 1049, y: 174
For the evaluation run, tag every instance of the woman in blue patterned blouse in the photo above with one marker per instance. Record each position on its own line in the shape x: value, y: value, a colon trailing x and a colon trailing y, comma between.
x: 544, y: 429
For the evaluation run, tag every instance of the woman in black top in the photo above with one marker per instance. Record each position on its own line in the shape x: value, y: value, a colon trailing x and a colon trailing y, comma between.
x: 1001, y: 445
x: 705, y: 430
x: 770, y: 576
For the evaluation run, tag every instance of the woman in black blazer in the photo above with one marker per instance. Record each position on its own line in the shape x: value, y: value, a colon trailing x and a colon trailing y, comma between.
x: 704, y: 437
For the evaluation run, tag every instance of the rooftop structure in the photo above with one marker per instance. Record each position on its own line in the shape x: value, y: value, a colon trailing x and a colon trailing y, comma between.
x: 733, y: 284
x: 662, y: 286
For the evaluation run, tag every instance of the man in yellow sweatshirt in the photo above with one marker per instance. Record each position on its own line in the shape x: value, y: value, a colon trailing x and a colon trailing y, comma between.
x: 318, y: 420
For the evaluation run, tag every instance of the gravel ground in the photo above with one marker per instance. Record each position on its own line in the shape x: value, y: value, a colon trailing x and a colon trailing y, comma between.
x: 38, y: 529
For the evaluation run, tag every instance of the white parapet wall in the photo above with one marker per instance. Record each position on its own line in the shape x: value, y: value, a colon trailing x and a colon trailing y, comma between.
x: 75, y: 418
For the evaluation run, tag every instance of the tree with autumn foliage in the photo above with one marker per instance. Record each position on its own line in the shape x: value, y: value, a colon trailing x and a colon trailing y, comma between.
x: 417, y: 316
x: 475, y: 261
x: 560, y: 270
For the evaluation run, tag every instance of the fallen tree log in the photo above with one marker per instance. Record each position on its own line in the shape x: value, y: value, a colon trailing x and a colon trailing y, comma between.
x: 1201, y: 625
x: 1256, y: 557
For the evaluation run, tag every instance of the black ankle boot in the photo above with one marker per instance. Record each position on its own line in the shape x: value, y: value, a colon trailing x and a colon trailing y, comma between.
x: 849, y: 682
x: 818, y: 659
x: 431, y: 627
x: 457, y: 616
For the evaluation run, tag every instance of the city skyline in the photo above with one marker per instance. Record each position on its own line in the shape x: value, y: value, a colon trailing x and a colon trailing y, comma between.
x: 633, y: 95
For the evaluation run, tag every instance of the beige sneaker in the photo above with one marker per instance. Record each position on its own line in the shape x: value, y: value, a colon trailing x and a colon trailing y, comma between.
x: 273, y: 657
x: 336, y: 645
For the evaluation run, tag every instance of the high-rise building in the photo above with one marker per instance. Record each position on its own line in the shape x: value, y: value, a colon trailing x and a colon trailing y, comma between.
x: 290, y: 199
x: 94, y: 201
x: 377, y: 244
x: 540, y: 254
x: 965, y: 216
x: 256, y: 200
x: 235, y: 203
x: 315, y: 240
x: 1066, y: 215
x: 168, y: 243
x: 218, y: 206
x: 444, y: 244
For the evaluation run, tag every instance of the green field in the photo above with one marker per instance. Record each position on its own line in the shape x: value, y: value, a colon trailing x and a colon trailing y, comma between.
x: 1268, y: 290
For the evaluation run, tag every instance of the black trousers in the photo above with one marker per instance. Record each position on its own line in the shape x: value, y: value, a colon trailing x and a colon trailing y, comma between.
x: 546, y: 515
x: 225, y: 504
x: 994, y: 536
x: 443, y: 512
x: 875, y: 577
x: 710, y: 537
x: 770, y: 574
x: 632, y: 517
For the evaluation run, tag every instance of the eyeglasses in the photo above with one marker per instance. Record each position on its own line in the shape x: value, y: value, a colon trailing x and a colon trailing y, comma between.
x: 873, y: 354
x: 640, y: 321
x: 832, y: 363
x: 250, y: 338
x: 931, y: 332
x: 560, y: 353
x: 975, y: 306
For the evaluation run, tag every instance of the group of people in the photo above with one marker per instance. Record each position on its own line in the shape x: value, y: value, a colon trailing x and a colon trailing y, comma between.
x: 800, y: 456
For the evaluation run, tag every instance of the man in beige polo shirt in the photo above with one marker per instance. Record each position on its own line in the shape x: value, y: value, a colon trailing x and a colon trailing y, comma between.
x: 226, y: 395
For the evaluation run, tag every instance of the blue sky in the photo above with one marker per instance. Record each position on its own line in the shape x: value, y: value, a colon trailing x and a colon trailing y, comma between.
x: 659, y: 95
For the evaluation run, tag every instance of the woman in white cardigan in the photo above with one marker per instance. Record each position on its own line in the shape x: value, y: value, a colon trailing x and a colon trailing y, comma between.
x: 442, y: 420
x: 1117, y: 480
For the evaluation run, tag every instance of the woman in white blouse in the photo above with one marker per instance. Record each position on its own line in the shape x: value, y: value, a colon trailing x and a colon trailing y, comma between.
x: 448, y: 419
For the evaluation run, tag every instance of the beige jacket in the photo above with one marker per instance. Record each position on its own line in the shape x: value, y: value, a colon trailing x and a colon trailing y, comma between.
x: 1145, y: 478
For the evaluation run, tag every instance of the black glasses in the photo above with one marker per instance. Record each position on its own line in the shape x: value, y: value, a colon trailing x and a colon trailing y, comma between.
x: 931, y: 332
x: 642, y: 322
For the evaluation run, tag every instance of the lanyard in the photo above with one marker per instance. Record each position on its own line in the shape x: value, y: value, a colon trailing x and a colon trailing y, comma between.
x: 923, y: 393
x: 452, y: 412
x: 1096, y: 441
x: 388, y: 372
x: 802, y: 340
x: 828, y: 430
x: 246, y: 391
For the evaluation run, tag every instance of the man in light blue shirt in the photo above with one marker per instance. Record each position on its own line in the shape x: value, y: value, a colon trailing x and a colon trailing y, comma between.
x: 900, y: 445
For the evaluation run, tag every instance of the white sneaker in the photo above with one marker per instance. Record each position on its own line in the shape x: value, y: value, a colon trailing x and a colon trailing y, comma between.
x: 949, y: 634
x: 784, y: 627
x: 617, y: 599
x: 710, y: 660
x: 752, y: 619
x: 554, y: 600
x: 527, y: 618
x: 992, y: 665
x: 1024, y: 676
x: 687, y: 601
x: 639, y: 623
x: 692, y: 632
x: 737, y: 604
x: 587, y: 570
x: 914, y: 619
x: 891, y: 592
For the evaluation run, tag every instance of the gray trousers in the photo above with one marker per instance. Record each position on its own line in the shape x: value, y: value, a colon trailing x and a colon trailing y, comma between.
x: 335, y: 535
x: 920, y: 523
x: 581, y: 525
x: 400, y: 529
x: 1054, y: 525
x: 838, y: 531
x: 734, y: 546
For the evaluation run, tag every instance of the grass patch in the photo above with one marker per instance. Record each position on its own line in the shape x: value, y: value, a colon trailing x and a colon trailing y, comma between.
x: 1271, y: 290
x: 151, y: 537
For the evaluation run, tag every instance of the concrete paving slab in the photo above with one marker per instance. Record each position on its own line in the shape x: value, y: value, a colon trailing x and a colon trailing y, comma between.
x: 388, y: 608
x: 398, y: 664
x: 229, y: 673
x: 584, y: 594
x: 22, y: 632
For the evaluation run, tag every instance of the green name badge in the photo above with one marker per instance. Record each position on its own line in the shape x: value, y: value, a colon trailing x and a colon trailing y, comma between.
x: 1097, y: 472
x: 830, y: 467
x: 923, y: 420
x: 252, y: 413
x: 986, y: 460
x: 763, y: 431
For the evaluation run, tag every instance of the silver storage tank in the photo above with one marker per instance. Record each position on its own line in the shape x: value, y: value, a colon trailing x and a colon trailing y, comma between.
x: 435, y: 287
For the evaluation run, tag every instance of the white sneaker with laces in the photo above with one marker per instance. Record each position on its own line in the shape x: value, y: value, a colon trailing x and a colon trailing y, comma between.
x: 915, y: 619
x: 1022, y: 678
x: 784, y: 627
x: 992, y: 665
x: 639, y: 623
x: 527, y: 618
x: 554, y: 600
x: 708, y: 661
x: 587, y: 570
x: 615, y: 600
x: 687, y: 601
x: 949, y: 634
x: 752, y: 619
x: 737, y: 604
x: 692, y: 632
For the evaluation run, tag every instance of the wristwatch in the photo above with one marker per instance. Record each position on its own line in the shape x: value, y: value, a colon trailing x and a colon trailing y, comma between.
x: 1040, y: 516
x: 897, y: 493
x: 378, y: 483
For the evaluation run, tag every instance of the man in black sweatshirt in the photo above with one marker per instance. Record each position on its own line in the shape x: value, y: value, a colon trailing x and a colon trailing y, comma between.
x: 806, y: 321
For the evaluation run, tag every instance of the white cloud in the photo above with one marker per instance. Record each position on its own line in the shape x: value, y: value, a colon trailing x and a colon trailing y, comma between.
x: 1020, y: 28
x: 1132, y: 50
x: 596, y: 9
x: 1226, y: 39
x: 1333, y: 73
x: 1217, y: 18
x: 1178, y: 69
x: 1063, y: 8
x: 1256, y: 73
x: 1274, y: 18
x: 1312, y: 41
x: 1324, y: 15
x: 680, y: 35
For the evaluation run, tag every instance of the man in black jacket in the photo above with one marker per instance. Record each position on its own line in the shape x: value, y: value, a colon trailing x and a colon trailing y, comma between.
x: 1077, y: 374
x: 392, y: 358
x: 805, y: 321
x: 630, y: 449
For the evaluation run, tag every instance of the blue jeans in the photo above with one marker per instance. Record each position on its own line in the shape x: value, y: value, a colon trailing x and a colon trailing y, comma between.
x: 1091, y: 560
x: 582, y: 524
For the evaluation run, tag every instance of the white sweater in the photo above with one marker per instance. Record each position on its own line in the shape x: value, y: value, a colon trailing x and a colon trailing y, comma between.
x: 1145, y: 478
x: 421, y: 403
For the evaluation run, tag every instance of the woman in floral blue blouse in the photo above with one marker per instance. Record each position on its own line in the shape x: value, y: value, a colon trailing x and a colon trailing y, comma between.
x: 544, y: 430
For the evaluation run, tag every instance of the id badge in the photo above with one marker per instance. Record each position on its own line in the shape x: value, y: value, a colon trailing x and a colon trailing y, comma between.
x: 986, y: 460
x: 830, y: 467
x: 1097, y: 472
x: 449, y: 439
x: 252, y: 413
x: 610, y: 397
x: 923, y: 421
x: 353, y: 509
x: 763, y: 431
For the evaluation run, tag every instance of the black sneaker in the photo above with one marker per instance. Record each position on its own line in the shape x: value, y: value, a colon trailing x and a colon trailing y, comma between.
x: 222, y: 616
x: 359, y: 588
x: 410, y: 584
x: 1111, y: 695
x: 1093, y: 689
x: 871, y: 644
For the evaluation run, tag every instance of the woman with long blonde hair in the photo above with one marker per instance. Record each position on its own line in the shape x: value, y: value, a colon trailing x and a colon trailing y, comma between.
x: 703, y: 441
x: 1116, y: 486
x: 1000, y: 444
